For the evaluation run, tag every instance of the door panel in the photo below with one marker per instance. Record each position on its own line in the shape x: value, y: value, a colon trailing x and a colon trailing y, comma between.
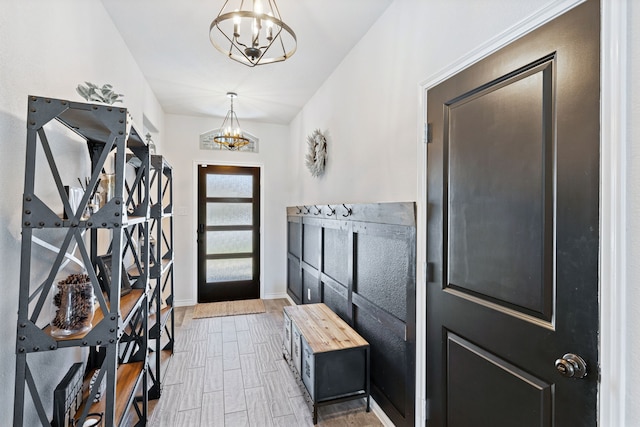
x: 513, y: 196
x: 506, y: 205
x: 229, y: 233
x: 515, y: 397
x: 380, y: 284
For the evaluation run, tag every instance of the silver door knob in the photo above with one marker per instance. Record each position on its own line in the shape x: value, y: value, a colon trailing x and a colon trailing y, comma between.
x: 572, y: 366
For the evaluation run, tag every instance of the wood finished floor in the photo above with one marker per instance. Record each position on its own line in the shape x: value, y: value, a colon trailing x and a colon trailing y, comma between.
x: 229, y: 372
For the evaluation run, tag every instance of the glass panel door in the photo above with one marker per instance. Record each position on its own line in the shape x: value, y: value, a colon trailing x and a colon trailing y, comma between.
x: 228, y: 233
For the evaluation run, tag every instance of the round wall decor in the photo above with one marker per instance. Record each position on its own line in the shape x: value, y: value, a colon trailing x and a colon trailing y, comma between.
x: 316, y: 157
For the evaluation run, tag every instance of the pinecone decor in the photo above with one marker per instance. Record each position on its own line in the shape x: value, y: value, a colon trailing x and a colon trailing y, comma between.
x: 72, y: 305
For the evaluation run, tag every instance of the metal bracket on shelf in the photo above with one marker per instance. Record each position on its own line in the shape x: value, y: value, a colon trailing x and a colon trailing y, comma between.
x: 110, y: 215
x: 156, y: 211
x: 32, y: 339
x: 103, y: 333
x: 33, y: 208
x: 42, y: 110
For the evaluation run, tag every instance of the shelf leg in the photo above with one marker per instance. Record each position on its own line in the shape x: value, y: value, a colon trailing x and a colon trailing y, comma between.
x: 18, y: 407
x: 368, y: 381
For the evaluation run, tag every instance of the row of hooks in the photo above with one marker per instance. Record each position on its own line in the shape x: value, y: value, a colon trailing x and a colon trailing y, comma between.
x: 306, y: 210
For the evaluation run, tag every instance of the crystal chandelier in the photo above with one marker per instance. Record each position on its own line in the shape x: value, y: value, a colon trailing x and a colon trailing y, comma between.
x: 252, y: 33
x: 230, y: 135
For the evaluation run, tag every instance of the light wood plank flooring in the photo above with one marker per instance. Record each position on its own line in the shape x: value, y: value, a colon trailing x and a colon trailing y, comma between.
x: 229, y: 372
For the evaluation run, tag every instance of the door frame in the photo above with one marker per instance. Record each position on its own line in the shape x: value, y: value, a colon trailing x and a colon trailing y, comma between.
x: 613, y: 172
x: 194, y: 219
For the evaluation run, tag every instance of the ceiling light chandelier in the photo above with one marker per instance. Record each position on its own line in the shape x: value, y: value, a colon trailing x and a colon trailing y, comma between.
x: 230, y: 135
x: 252, y: 33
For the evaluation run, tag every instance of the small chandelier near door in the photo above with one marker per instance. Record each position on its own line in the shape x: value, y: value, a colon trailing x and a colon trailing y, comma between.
x: 252, y: 33
x: 230, y: 135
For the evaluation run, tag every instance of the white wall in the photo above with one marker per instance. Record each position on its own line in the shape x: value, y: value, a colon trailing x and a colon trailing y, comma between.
x: 47, y: 48
x: 183, y: 153
x: 369, y: 106
x: 632, y: 332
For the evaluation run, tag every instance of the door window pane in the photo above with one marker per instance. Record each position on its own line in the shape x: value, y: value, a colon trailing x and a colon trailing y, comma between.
x: 229, y: 185
x: 229, y: 242
x: 229, y: 214
x: 227, y: 270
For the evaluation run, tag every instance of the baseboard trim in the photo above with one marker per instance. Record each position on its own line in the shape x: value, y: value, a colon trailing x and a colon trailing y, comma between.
x: 188, y: 302
x: 274, y: 296
x: 377, y: 410
x: 183, y: 303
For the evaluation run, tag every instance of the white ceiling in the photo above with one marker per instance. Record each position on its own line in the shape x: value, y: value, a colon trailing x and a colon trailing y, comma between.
x: 170, y: 41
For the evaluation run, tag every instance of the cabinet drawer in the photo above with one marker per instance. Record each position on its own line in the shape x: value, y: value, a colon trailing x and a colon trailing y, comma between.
x: 296, y: 350
x: 333, y: 374
x: 308, y: 369
x: 286, y: 339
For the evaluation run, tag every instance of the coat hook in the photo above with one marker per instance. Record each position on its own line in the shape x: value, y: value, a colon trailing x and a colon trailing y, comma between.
x: 306, y: 210
x: 333, y: 211
x: 299, y: 210
x: 318, y: 210
x: 349, y: 211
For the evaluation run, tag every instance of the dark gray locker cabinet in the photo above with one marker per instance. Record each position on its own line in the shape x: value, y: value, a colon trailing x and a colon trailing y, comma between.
x: 329, y: 356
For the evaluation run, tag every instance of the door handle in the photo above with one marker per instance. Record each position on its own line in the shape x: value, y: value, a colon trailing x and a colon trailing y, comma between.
x: 571, y: 366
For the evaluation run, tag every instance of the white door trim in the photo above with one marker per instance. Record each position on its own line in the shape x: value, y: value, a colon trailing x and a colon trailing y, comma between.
x: 613, y: 167
x: 613, y: 208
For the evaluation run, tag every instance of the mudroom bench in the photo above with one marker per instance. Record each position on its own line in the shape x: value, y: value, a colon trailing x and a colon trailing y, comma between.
x: 330, y: 358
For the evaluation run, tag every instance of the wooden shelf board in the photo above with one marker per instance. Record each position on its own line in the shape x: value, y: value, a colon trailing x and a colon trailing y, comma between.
x: 153, y: 319
x: 165, y: 359
x: 134, y: 271
x: 127, y: 379
x: 127, y: 304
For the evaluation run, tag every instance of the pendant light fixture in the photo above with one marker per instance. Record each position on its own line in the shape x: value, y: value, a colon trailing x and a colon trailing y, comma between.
x: 252, y: 32
x: 230, y: 135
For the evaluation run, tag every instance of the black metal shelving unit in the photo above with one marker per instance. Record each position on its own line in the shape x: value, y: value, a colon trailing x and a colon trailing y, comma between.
x: 118, y: 340
x: 162, y: 328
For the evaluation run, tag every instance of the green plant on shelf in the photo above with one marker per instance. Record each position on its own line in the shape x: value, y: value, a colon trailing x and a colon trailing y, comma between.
x: 94, y: 93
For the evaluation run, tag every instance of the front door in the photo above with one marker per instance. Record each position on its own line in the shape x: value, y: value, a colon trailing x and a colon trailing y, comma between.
x: 228, y: 233
x: 513, y: 238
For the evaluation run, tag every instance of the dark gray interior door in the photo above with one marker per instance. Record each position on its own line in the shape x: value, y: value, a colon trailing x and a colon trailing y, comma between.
x: 513, y: 199
x: 228, y: 233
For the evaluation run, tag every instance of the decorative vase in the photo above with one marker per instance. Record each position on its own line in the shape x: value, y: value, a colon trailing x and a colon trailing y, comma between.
x: 72, y: 306
x: 106, y: 188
